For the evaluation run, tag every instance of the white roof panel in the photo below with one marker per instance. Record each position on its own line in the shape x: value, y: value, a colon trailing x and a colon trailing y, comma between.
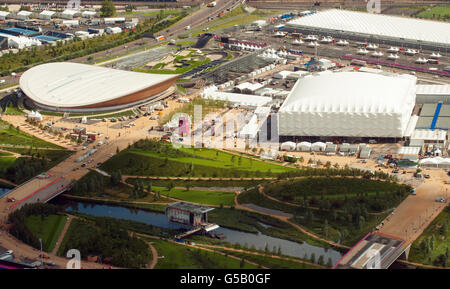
x: 375, y: 24
x: 47, y: 12
x: 241, y: 99
x: 428, y: 134
x: 433, y: 89
x: 65, y: 84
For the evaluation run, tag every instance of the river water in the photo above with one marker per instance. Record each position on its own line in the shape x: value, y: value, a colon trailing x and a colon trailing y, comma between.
x: 4, y: 191
x: 233, y: 236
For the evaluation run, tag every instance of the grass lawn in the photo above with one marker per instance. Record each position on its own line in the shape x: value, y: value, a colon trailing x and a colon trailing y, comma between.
x: 11, y: 136
x: 195, y: 183
x: 11, y: 110
x: 226, y: 160
x: 182, y: 257
x: 6, y: 162
x: 440, y: 12
x: 192, y: 64
x: 272, y: 263
x: 48, y: 228
x: 202, y: 197
x: 201, y: 163
x: 431, y: 247
x: 5, y: 154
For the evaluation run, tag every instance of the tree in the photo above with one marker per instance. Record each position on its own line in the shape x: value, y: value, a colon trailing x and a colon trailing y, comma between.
x: 170, y: 186
x: 321, y: 260
x: 330, y: 262
x: 108, y: 9
x: 312, y: 258
x: 242, y: 263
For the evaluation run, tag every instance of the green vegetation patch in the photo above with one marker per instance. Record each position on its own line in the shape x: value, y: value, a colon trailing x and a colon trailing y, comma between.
x: 432, y: 247
x: 215, y: 198
x: 182, y: 257
x: 106, y: 237
x: 154, y: 158
x: 438, y: 13
x: 36, y: 161
x: 346, y: 226
x: 339, y: 192
x: 10, y: 135
x: 48, y: 228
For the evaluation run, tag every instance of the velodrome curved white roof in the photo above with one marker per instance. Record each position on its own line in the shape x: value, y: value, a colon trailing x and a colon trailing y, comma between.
x: 375, y: 24
x: 348, y: 104
x: 65, y: 84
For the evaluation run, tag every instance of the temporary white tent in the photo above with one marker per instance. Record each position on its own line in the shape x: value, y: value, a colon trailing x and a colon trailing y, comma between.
x: 239, y: 99
x: 429, y: 163
x: 88, y: 14
x: 46, y: 14
x: 3, y: 15
x: 69, y: 14
x: 349, y: 104
x: 23, y: 15
x: 318, y: 146
x: 304, y: 146
x: 288, y: 146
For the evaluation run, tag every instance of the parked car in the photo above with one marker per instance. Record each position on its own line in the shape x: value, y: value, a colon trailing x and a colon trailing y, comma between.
x: 440, y: 200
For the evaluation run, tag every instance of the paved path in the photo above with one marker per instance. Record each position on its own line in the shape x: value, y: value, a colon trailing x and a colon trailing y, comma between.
x: 204, y: 248
x: 63, y: 233
x: 262, y: 254
x: 8, y: 182
x: 154, y: 260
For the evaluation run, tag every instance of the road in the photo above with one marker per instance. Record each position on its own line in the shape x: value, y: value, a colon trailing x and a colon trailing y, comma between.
x: 197, y: 18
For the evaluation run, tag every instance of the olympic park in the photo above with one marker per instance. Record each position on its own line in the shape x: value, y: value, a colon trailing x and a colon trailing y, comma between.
x: 326, y: 110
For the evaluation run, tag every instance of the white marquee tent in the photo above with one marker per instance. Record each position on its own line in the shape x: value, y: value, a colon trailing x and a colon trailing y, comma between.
x: 318, y: 146
x: 288, y: 146
x: 304, y: 146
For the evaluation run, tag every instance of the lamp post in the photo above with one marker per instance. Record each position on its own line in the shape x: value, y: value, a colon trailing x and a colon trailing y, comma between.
x: 40, y: 241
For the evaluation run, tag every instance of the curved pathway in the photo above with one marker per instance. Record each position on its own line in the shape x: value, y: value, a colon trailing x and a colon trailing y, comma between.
x: 286, y: 220
x: 63, y: 233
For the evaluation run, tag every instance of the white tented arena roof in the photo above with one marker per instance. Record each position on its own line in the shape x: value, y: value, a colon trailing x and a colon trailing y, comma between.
x: 348, y: 104
x: 65, y: 84
x: 375, y: 24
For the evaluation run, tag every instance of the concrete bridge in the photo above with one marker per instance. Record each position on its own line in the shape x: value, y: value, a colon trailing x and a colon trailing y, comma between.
x: 36, y: 190
x: 393, y: 237
x: 374, y: 251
